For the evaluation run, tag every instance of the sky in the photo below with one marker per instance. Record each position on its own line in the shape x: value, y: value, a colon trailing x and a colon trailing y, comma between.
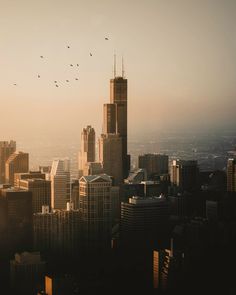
x: 179, y: 57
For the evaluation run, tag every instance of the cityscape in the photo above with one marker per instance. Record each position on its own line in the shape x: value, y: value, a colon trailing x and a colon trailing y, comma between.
x: 139, y: 197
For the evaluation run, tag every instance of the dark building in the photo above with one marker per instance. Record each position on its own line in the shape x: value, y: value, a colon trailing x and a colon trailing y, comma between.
x: 155, y: 164
x: 231, y: 175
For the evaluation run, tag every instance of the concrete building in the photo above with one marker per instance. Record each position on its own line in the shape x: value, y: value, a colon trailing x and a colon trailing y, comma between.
x: 184, y: 175
x: 18, y: 162
x: 93, y: 168
x: 41, y: 192
x: 231, y: 175
x: 109, y: 118
x: 154, y: 164
x: 96, y: 206
x: 27, y: 272
x: 60, y: 183
x: 57, y: 232
x: 6, y: 149
x: 87, y: 150
x: 143, y: 219
x: 28, y: 175
x: 110, y: 156
x: 15, y: 219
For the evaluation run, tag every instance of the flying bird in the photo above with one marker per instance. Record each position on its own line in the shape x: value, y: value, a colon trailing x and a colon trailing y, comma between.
x: 106, y: 38
x: 55, y: 81
x: 14, y: 84
x: 77, y: 65
x: 41, y: 56
x: 56, y: 85
x: 38, y: 76
x: 68, y: 46
x: 91, y: 54
x: 71, y: 65
x: 67, y: 80
x: 76, y: 79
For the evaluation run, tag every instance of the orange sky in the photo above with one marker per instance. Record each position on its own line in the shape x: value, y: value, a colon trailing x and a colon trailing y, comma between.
x: 180, y: 61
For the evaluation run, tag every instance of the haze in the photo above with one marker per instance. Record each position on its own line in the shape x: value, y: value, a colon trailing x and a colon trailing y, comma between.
x: 180, y: 62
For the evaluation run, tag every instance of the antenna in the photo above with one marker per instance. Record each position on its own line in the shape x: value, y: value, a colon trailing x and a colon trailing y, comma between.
x: 114, y: 65
x: 123, y: 68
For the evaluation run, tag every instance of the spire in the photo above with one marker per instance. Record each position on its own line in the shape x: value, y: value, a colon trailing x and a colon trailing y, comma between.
x: 123, y: 68
x: 114, y: 65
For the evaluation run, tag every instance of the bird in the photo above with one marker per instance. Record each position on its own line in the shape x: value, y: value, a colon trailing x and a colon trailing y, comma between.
x: 14, y: 84
x: 76, y: 79
x: 91, y: 54
x: 77, y: 65
x: 68, y: 46
x: 41, y: 56
x: 67, y: 80
x: 106, y: 38
x: 38, y: 76
x: 71, y: 65
x: 56, y: 85
x: 55, y: 81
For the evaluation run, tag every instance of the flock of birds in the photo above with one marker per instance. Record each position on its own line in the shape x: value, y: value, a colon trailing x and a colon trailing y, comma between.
x: 72, y: 65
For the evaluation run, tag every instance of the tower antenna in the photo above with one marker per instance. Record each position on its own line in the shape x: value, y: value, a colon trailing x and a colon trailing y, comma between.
x: 123, y: 68
x: 114, y: 65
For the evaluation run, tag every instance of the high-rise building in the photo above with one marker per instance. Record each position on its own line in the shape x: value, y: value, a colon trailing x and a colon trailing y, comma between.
x: 231, y: 175
x: 27, y: 272
x: 29, y: 175
x: 87, y: 150
x: 184, y: 174
x: 118, y: 96
x: 142, y: 219
x: 155, y: 164
x: 57, y: 232
x: 16, y: 218
x: 96, y: 210
x: 6, y: 149
x: 60, y: 183
x: 109, y: 118
x: 110, y: 156
x: 41, y: 192
x: 18, y: 162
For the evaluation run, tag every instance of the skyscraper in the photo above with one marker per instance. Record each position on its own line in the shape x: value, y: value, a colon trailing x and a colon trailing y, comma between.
x: 184, y: 174
x: 87, y: 150
x: 60, y: 183
x: 118, y: 96
x: 155, y: 164
x: 231, y: 175
x: 6, y: 149
x: 16, y: 163
x: 110, y: 156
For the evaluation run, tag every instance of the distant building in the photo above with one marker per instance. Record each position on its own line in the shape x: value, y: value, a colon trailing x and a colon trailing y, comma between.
x: 96, y: 207
x: 154, y: 164
x: 60, y: 183
x: 184, y: 174
x: 136, y: 176
x: 28, y: 175
x: 93, y: 168
x: 109, y: 118
x: 41, y: 192
x: 6, y: 149
x: 18, y: 162
x: 27, y: 272
x: 87, y: 150
x: 231, y: 175
x: 110, y: 156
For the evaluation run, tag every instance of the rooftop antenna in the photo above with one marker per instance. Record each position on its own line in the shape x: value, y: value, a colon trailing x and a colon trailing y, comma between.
x: 123, y: 68
x: 114, y: 65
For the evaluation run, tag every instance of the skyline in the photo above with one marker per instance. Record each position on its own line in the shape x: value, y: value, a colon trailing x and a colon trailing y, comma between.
x: 179, y: 59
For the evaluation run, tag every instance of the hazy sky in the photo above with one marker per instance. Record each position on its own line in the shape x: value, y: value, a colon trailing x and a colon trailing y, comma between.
x: 180, y: 61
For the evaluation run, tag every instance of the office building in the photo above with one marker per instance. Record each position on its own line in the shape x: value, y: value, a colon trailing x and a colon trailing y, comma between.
x: 96, y: 210
x: 28, y: 175
x: 60, y: 183
x: 18, y: 162
x: 109, y: 118
x: 41, y: 192
x: 154, y: 164
x: 87, y: 150
x: 6, y: 149
x: 143, y: 220
x: 231, y: 175
x: 27, y: 272
x: 184, y: 175
x: 110, y: 156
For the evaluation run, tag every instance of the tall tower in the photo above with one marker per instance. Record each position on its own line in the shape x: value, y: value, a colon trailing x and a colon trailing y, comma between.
x: 60, y: 183
x: 87, y: 150
x: 6, y: 149
x: 231, y: 175
x: 17, y: 162
x: 118, y: 96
